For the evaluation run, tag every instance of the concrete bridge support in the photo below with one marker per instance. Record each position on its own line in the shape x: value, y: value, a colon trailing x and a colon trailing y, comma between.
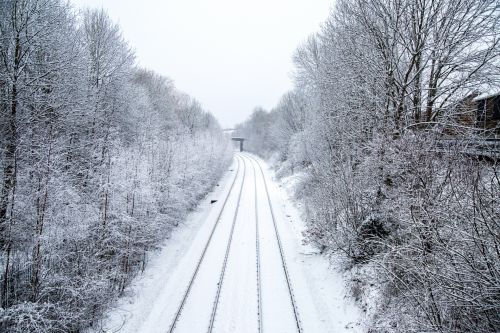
x: 240, y: 140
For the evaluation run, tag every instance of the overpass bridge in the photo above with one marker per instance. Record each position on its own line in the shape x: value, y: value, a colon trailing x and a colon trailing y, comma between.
x: 230, y: 132
x: 240, y: 140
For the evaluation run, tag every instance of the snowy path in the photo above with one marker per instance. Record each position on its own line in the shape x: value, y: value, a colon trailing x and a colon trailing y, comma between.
x: 240, y: 269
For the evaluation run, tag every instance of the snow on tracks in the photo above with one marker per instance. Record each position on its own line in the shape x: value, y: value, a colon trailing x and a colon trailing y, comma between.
x: 233, y: 271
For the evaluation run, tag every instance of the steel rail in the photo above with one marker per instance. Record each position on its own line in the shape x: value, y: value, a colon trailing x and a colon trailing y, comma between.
x: 257, y: 255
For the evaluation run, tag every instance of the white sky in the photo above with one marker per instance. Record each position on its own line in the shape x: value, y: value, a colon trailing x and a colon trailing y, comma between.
x: 231, y: 55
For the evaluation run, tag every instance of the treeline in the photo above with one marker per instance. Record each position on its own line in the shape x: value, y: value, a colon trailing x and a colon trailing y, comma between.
x: 99, y: 160
x: 375, y: 128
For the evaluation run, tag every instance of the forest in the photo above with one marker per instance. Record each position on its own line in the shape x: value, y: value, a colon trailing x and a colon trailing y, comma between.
x: 100, y: 160
x: 398, y: 176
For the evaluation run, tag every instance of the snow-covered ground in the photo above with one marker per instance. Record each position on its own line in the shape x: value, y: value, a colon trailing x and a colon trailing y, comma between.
x: 152, y: 301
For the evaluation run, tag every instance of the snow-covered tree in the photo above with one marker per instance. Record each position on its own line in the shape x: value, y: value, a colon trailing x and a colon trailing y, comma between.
x: 99, y: 161
x: 381, y: 86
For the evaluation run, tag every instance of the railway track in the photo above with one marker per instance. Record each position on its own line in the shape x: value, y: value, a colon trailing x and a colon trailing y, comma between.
x: 226, y: 256
x: 280, y: 247
x: 242, y: 160
x: 207, y: 244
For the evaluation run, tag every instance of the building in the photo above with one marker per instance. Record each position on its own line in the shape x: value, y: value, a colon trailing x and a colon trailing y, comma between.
x: 479, y: 111
x: 488, y: 112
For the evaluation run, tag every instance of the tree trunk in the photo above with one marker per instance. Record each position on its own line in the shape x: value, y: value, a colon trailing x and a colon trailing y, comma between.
x: 5, y: 283
x: 9, y: 170
x: 41, y: 205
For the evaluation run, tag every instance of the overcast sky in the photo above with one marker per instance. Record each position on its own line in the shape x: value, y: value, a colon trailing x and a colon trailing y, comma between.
x: 231, y: 55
